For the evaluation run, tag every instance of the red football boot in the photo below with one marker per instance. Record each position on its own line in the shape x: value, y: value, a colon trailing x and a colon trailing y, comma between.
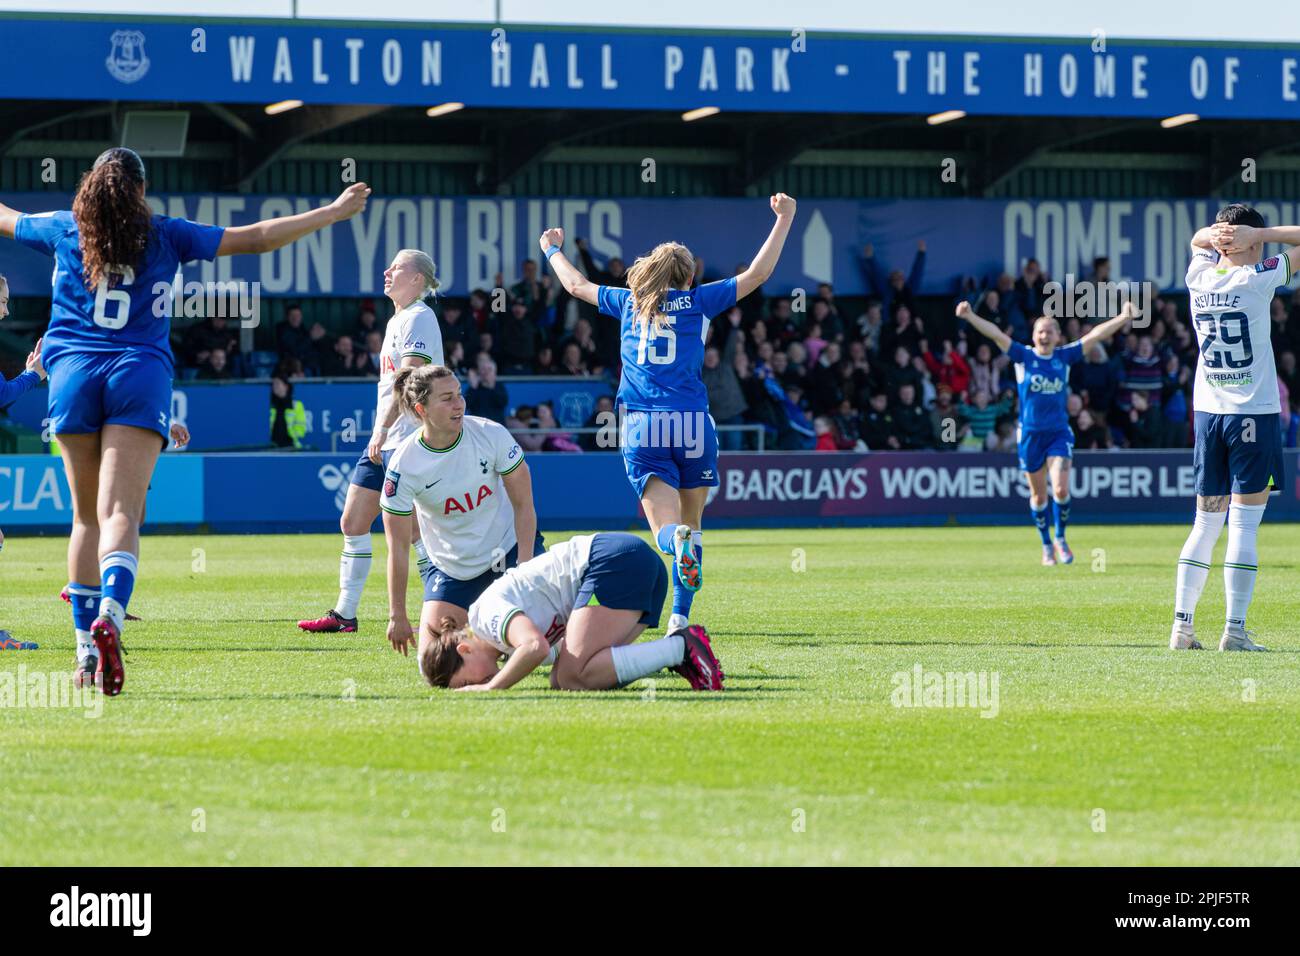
x: 331, y: 623
x: 110, y: 674
x: 699, y: 665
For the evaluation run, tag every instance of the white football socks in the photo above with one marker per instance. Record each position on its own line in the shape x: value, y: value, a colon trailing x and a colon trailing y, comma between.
x: 354, y: 568
x: 1241, y: 562
x: 634, y: 661
x: 1194, y: 563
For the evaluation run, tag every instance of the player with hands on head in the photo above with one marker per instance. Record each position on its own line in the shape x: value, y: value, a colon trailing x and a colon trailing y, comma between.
x: 1237, y: 454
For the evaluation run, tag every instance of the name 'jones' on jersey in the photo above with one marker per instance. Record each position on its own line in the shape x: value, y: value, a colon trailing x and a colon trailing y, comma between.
x: 661, y: 370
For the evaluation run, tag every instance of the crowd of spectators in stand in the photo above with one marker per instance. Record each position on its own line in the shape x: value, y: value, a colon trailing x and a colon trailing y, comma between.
x: 898, y: 373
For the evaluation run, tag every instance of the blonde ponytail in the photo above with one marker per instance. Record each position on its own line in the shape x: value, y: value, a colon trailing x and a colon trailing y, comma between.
x: 425, y: 266
x: 669, y: 265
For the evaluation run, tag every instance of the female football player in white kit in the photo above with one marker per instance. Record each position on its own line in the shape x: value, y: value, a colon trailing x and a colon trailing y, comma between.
x: 467, y: 479
x: 411, y: 339
x: 579, y: 607
x: 1237, y: 455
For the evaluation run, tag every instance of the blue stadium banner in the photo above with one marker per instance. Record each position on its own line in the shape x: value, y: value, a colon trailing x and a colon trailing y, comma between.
x: 34, y: 492
x: 472, y: 239
x: 237, y: 415
x: 196, y: 60
x: 306, y: 492
x: 286, y: 492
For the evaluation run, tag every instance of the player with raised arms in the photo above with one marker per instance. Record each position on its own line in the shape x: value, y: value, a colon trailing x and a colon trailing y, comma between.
x: 110, y: 368
x: 1046, y: 444
x: 579, y: 607
x: 411, y: 339
x: 1237, y: 411
x: 457, y: 471
x: 664, y: 325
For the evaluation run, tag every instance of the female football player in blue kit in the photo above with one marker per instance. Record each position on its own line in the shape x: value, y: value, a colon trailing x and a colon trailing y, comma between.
x: 670, y: 447
x: 1046, y: 444
x: 110, y: 368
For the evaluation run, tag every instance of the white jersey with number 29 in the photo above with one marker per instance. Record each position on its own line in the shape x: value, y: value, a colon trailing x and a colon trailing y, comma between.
x: 1235, y: 373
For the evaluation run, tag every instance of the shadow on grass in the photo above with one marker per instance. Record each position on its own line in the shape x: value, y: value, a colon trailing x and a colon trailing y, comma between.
x: 762, y: 677
x: 257, y: 649
x: 633, y: 696
x: 830, y: 643
x: 190, y: 698
x: 173, y: 621
x: 1068, y: 645
x: 713, y: 635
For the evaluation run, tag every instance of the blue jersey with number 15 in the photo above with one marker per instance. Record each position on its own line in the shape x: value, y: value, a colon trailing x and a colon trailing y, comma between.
x: 121, y: 316
x: 662, y: 370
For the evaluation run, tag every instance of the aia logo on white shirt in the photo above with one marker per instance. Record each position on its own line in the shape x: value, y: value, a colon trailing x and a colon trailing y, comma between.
x: 467, y: 502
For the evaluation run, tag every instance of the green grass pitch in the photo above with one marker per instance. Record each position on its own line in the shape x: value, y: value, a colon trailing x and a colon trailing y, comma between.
x: 241, y: 741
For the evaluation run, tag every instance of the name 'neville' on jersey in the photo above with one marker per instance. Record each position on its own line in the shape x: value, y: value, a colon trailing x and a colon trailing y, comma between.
x: 411, y: 331
x: 1043, y: 384
x: 1235, y: 374
x: 662, y: 370
x: 465, y: 513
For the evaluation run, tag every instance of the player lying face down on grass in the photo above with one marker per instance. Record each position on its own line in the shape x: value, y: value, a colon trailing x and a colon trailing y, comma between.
x: 467, y: 478
x: 579, y: 607
x: 110, y: 367
x: 1045, y: 441
x: 668, y: 439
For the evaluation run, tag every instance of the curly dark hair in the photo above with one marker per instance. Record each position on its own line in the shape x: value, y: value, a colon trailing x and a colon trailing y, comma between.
x: 112, y: 216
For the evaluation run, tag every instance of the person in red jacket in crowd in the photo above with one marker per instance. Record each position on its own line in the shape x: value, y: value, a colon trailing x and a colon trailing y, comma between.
x: 950, y: 369
x: 829, y: 436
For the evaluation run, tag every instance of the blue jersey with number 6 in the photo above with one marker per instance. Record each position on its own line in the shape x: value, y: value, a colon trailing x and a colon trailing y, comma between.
x: 661, y: 370
x: 124, y: 314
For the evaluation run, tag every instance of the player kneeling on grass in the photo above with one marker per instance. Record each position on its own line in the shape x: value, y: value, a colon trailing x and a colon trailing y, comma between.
x: 458, y: 470
x: 579, y: 607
